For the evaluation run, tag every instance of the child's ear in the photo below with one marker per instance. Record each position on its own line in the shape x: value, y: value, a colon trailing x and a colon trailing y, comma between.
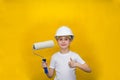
x: 70, y: 40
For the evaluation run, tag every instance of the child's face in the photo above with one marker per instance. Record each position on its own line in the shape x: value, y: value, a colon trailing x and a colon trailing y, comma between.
x: 63, y: 42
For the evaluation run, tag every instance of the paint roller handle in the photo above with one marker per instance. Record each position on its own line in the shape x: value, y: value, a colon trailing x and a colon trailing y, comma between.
x: 44, y: 60
x: 45, y: 68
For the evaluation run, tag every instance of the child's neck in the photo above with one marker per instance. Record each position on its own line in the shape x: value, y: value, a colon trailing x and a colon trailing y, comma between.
x: 64, y: 51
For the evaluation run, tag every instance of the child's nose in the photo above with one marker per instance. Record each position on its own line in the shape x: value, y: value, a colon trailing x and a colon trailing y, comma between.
x: 63, y: 41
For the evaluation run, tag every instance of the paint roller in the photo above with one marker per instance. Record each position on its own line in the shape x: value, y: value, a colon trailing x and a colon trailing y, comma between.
x: 43, y: 45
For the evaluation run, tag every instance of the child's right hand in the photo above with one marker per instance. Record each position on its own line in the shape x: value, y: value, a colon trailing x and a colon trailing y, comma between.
x: 44, y: 64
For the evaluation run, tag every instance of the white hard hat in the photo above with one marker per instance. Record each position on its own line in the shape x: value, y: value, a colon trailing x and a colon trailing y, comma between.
x: 64, y: 31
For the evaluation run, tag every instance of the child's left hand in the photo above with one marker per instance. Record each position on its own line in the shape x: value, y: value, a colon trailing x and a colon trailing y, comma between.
x: 72, y: 63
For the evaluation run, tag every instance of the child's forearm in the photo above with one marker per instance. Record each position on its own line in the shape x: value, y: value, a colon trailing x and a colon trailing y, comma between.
x: 84, y: 67
x: 50, y: 73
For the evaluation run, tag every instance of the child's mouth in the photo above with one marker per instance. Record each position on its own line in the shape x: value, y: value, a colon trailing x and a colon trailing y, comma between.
x: 63, y: 44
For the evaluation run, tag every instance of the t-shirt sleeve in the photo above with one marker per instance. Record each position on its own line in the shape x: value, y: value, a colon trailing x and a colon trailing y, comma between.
x: 79, y: 59
x: 52, y: 62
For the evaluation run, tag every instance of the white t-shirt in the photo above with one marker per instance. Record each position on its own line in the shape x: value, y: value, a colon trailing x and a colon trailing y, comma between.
x: 59, y: 62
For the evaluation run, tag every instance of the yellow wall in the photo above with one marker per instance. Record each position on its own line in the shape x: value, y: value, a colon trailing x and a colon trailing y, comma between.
x: 95, y: 23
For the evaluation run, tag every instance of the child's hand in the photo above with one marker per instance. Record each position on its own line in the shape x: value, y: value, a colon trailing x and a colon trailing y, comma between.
x: 72, y: 63
x: 44, y: 64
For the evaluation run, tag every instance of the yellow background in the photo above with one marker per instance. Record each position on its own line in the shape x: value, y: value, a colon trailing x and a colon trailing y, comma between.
x: 95, y: 23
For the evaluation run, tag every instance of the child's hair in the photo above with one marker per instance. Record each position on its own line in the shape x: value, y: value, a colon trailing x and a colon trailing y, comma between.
x: 70, y: 37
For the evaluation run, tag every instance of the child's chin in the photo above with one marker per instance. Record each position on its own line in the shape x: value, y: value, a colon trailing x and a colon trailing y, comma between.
x: 63, y: 47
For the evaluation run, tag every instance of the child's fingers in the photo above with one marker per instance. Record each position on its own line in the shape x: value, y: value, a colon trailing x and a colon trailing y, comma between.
x: 71, y: 59
x: 44, y: 64
x: 69, y: 64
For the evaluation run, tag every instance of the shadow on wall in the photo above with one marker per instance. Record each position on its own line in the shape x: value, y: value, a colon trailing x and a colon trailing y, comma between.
x: 33, y: 63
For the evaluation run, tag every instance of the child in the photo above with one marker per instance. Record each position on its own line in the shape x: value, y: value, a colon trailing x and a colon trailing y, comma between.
x: 65, y: 61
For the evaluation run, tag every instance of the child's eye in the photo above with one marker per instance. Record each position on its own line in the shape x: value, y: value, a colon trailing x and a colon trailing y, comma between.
x: 60, y: 39
x: 66, y: 39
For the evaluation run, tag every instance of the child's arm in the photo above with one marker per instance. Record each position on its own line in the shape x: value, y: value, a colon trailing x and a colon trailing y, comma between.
x: 84, y: 66
x: 49, y: 72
